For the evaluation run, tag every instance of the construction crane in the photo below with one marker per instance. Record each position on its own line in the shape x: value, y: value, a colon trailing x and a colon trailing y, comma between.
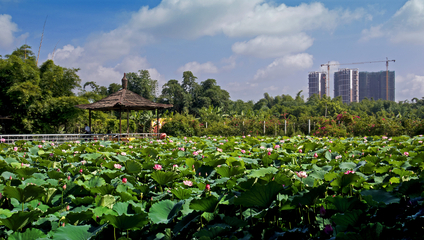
x: 334, y: 64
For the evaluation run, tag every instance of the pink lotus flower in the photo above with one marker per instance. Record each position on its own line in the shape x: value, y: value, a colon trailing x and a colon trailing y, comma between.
x: 277, y: 146
x: 15, y: 149
x: 195, y: 153
x: 300, y: 150
x: 175, y: 166
x: 124, y: 180
x: 208, y: 187
x: 269, y: 153
x: 123, y: 153
x: 118, y: 166
x: 69, y: 178
x: 219, y: 149
x: 315, y: 155
x: 40, y: 146
x: 406, y: 153
x: 3, y: 140
x: 157, y: 167
x: 67, y: 208
x: 328, y: 229
x: 242, y: 151
x: 188, y: 183
x: 80, y: 170
x: 302, y: 174
x: 322, y: 211
x: 10, y: 177
x: 64, y: 187
x: 349, y: 172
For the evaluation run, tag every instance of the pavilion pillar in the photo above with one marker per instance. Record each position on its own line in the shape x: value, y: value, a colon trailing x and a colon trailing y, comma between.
x: 157, y: 123
x: 120, y: 125
x: 128, y: 122
x: 89, y: 118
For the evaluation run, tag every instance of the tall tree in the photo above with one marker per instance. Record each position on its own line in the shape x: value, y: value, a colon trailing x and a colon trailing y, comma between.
x: 142, y: 84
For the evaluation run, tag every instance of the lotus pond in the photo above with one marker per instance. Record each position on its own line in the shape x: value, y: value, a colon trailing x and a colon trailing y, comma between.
x: 214, y: 188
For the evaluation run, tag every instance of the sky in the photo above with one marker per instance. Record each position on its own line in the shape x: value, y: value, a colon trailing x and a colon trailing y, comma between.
x: 248, y: 46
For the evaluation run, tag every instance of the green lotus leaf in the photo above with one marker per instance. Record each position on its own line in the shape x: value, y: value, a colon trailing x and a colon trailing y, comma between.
x: 83, y: 200
x: 207, y: 204
x: 19, y: 220
x: 100, y: 211
x: 56, y: 175
x: 91, y: 156
x: 164, y: 211
x: 133, y: 167
x: 311, y: 197
x: 5, y: 213
x: 95, y: 182
x: 259, y: 195
x: 347, y: 165
x: 350, y: 218
x: 76, y: 217
x: 123, y: 208
x: 125, y: 196
x: 318, y: 174
x: 181, y: 193
x: 30, y: 233
x: 11, y: 160
x: 343, y: 204
x: 70, y: 232
x: 125, y: 222
x: 258, y: 173
x: 380, y: 196
x: 226, y: 171
x: 27, y: 194
x: 163, y: 178
x: 212, y: 231
x: 26, y: 172
x: 6, y: 175
x: 343, y: 182
x: 103, y: 190
x: 105, y: 201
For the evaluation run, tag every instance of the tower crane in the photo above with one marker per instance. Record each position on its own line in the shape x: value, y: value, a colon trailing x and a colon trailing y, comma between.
x: 334, y: 64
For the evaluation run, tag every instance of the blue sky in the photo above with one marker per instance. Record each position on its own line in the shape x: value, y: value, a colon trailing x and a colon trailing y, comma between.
x: 249, y: 46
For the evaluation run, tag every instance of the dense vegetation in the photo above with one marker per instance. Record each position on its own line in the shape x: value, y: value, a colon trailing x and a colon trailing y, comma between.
x: 214, y: 188
x: 41, y: 99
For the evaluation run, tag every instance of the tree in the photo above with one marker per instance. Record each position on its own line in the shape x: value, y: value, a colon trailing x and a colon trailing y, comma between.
x: 57, y: 81
x: 113, y: 88
x: 142, y: 84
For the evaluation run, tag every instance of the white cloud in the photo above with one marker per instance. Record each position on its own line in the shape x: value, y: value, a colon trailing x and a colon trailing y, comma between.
x: 70, y: 56
x: 7, y: 30
x: 405, y: 26
x: 237, y: 18
x: 270, y: 46
x: 409, y: 87
x: 284, y: 66
x: 198, y: 68
x: 230, y: 63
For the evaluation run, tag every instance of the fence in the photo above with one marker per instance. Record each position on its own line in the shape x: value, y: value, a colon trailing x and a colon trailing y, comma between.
x: 60, y: 138
x: 280, y: 128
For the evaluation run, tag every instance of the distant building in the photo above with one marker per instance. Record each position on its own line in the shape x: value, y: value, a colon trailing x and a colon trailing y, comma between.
x: 373, y: 85
x: 317, y: 84
x: 346, y: 84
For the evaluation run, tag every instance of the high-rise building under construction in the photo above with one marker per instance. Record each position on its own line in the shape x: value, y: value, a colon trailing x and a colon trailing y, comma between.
x: 346, y: 85
x: 317, y: 84
x: 373, y: 85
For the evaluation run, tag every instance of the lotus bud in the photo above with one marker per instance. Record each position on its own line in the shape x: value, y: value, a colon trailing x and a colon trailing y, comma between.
x: 322, y: 211
x: 10, y: 178
x: 64, y: 187
x: 124, y: 180
x: 67, y: 208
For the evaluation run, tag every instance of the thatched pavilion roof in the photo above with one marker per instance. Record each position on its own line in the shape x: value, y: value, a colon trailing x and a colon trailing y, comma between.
x: 124, y: 99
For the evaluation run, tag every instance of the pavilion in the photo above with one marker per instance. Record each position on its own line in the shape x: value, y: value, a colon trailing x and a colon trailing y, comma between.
x: 123, y: 100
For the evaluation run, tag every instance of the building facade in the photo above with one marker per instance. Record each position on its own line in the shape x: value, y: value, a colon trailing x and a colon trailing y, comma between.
x: 346, y: 85
x: 373, y: 85
x: 317, y: 84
